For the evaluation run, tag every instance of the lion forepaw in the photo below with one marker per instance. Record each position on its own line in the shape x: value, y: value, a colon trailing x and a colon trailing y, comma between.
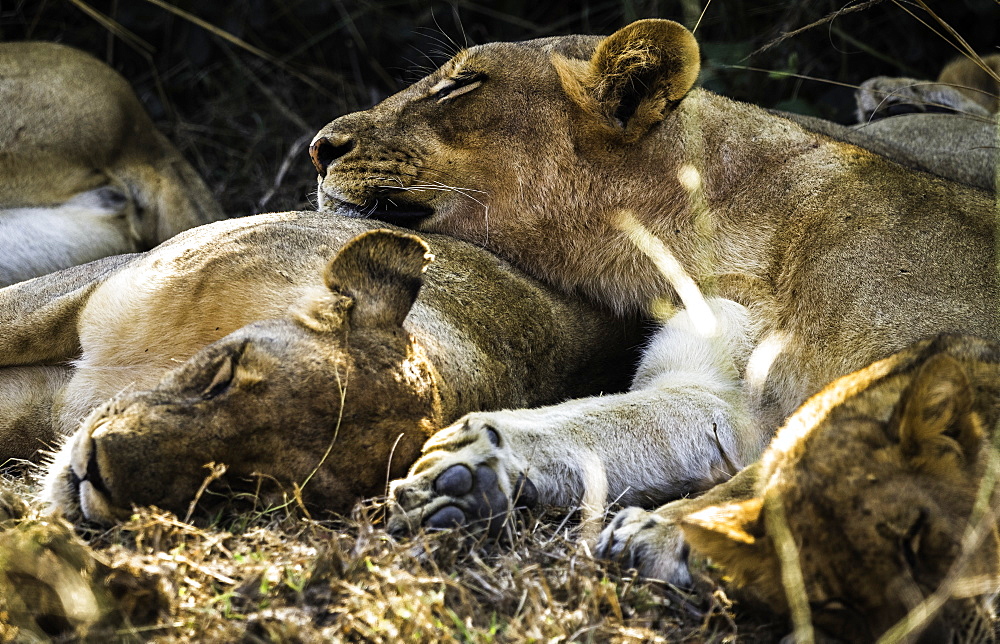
x: 468, y: 477
x: 647, y: 542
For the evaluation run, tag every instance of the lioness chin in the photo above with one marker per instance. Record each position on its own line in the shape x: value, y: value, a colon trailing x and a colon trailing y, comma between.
x: 595, y: 164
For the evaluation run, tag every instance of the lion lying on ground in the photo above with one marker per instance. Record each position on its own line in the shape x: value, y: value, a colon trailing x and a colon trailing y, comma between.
x: 947, y: 128
x: 874, y: 480
x: 596, y: 165
x: 335, y: 380
x: 83, y: 172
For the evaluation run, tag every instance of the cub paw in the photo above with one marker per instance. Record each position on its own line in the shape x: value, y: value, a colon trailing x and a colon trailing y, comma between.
x: 648, y: 542
x: 468, y: 477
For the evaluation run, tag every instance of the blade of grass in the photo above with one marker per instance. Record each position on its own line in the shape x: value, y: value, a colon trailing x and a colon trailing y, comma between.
x: 239, y: 42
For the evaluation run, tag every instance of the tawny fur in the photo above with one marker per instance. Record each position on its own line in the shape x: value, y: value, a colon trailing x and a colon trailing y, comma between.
x: 487, y: 335
x: 878, y: 475
x: 839, y: 255
x: 978, y: 79
x: 84, y: 173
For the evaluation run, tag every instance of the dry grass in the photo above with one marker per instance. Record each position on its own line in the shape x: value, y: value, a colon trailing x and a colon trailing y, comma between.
x: 276, y: 576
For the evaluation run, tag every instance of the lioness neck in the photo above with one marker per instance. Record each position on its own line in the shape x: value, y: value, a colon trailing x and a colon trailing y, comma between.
x: 682, y: 205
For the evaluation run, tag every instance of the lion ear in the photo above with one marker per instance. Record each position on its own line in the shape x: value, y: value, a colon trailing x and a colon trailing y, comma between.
x: 936, y: 418
x: 382, y: 272
x: 638, y: 73
x: 373, y: 281
x: 733, y: 536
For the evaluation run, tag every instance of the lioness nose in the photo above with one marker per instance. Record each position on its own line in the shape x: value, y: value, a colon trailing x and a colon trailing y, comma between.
x: 328, y: 148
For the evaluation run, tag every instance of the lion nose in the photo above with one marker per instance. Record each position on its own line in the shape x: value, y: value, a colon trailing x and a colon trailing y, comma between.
x: 328, y: 148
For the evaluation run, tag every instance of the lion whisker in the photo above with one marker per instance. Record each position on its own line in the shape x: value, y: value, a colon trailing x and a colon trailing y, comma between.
x: 439, y: 186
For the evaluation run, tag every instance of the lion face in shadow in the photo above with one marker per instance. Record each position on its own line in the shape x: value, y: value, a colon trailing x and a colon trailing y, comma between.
x: 329, y: 402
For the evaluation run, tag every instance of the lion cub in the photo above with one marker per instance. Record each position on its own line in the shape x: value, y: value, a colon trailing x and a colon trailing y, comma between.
x: 884, y: 484
x: 84, y: 173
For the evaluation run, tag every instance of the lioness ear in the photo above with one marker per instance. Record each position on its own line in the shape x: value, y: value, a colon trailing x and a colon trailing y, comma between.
x: 733, y: 536
x: 381, y: 271
x: 936, y: 417
x: 638, y: 73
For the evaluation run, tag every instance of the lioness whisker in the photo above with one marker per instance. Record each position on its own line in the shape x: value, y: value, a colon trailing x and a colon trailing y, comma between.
x: 442, y: 187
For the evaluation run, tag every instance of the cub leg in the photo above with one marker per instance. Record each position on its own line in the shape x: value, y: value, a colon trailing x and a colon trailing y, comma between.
x: 683, y: 427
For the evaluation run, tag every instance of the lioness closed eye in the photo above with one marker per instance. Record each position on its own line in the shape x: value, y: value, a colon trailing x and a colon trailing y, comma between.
x: 595, y: 164
x: 84, y: 173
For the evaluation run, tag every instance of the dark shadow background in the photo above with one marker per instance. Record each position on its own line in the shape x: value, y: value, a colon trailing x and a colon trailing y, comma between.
x: 243, y: 118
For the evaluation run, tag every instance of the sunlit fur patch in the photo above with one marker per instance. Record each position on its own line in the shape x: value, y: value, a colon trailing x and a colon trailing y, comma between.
x: 664, y: 260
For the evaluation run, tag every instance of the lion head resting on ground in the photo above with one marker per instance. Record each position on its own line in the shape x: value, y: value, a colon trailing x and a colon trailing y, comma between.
x: 84, y: 173
x: 332, y: 392
x: 874, y: 482
x: 272, y: 398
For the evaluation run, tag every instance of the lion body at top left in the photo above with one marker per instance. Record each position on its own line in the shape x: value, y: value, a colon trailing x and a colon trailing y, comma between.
x: 84, y: 173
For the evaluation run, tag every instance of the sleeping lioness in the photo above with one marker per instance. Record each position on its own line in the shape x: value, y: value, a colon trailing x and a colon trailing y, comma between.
x: 338, y: 370
x: 595, y: 164
x: 875, y: 481
x: 83, y: 172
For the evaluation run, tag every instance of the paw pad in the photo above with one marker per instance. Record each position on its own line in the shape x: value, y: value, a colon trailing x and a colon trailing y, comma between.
x: 446, y: 518
x: 454, y: 481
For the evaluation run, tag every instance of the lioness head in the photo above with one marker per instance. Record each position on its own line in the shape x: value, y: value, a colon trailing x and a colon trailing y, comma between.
x: 513, y: 145
x: 334, y: 400
x: 867, y: 497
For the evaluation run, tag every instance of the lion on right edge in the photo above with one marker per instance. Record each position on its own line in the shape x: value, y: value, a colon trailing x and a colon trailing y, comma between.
x: 884, y: 486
